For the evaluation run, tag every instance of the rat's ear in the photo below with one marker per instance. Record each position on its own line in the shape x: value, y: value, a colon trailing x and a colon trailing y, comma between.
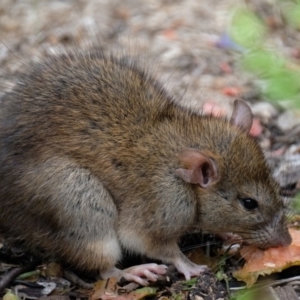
x: 201, y: 169
x: 242, y: 115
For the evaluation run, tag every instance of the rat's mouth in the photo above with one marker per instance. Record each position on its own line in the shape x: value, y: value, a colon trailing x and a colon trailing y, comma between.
x: 269, y: 239
x: 231, y: 237
x: 232, y: 242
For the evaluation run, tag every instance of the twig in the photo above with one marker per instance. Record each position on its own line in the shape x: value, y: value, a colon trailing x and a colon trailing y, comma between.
x: 14, y: 273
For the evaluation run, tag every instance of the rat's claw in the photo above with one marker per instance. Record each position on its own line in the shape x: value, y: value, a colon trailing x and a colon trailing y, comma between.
x: 141, y: 274
x: 188, y: 268
x: 134, y: 278
x: 193, y: 271
x: 148, y: 271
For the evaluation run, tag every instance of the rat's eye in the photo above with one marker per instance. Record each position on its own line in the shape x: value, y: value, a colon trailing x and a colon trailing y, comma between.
x: 249, y: 203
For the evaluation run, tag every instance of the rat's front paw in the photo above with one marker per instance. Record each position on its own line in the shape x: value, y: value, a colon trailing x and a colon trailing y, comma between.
x: 142, y: 274
x: 188, y: 268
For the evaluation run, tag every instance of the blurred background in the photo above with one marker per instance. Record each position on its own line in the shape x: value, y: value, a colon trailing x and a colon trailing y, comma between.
x: 204, y: 51
x: 207, y: 53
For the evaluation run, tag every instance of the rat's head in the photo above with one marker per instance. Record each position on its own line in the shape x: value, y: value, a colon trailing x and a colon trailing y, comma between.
x: 235, y: 190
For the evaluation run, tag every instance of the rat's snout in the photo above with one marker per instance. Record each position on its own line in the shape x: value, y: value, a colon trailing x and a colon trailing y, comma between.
x: 272, y: 235
x: 281, y: 241
x: 277, y: 234
x: 285, y: 239
x: 273, y: 239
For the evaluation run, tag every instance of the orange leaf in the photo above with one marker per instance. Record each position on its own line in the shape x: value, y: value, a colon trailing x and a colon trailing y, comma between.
x: 109, y: 290
x: 169, y: 34
x: 231, y: 91
x: 259, y: 262
x: 105, y: 289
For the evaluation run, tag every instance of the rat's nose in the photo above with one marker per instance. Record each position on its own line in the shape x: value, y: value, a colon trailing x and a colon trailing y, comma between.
x: 284, y: 239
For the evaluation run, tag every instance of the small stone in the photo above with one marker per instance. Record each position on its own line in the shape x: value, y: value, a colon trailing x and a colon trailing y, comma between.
x: 198, y: 297
x: 265, y: 110
x: 288, y: 119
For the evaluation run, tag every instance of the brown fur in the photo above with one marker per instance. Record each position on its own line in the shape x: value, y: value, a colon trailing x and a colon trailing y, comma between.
x: 89, y: 146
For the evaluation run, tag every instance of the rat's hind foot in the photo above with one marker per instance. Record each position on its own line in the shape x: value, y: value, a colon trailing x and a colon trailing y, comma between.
x: 188, y: 268
x: 140, y: 274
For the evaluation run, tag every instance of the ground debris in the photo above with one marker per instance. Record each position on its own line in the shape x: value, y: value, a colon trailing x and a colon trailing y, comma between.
x: 204, y: 287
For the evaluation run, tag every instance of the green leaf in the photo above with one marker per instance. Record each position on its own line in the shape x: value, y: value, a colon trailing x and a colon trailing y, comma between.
x: 247, y: 29
x: 190, y: 283
x: 283, y: 85
x: 143, y: 292
x: 262, y: 62
x: 10, y: 296
x: 296, y: 203
x: 291, y: 11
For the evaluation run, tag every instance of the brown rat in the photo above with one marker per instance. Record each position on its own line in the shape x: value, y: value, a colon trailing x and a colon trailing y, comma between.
x: 95, y: 156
